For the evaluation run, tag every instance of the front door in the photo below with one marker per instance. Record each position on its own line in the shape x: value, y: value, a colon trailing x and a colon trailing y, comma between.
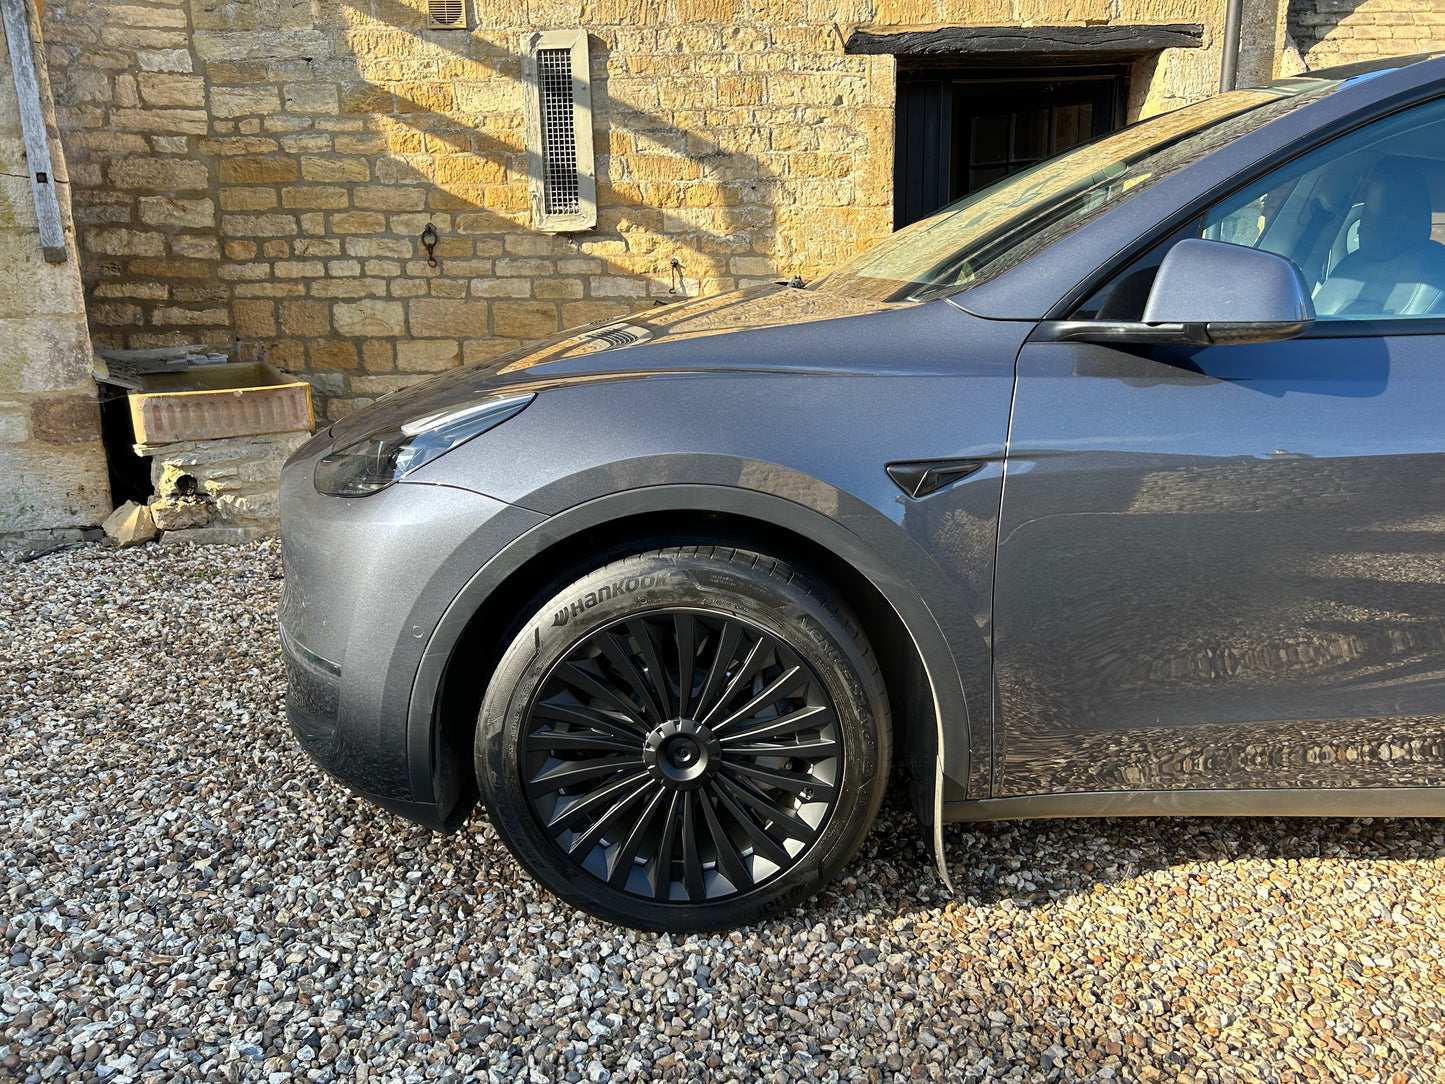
x: 1224, y: 567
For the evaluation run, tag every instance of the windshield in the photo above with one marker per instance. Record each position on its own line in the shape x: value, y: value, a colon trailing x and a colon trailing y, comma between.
x: 989, y: 231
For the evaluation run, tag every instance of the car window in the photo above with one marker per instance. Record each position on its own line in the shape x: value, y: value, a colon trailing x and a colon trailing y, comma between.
x: 1363, y: 217
x: 998, y: 227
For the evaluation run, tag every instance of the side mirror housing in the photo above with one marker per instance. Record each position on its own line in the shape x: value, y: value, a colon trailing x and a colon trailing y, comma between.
x: 1208, y: 292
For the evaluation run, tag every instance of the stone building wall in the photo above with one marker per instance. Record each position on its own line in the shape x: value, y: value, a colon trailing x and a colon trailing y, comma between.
x: 258, y: 172
x: 54, y: 479
x: 1330, y: 32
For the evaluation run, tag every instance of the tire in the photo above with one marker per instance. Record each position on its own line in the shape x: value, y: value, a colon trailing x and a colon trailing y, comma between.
x: 759, y: 788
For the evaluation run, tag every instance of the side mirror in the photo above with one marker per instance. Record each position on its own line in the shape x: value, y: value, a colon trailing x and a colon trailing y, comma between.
x: 1208, y: 292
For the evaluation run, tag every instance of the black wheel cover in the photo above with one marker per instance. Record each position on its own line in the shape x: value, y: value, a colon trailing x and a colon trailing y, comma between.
x: 681, y: 755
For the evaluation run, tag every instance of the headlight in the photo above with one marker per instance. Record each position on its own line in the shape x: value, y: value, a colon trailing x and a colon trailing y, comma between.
x: 381, y: 458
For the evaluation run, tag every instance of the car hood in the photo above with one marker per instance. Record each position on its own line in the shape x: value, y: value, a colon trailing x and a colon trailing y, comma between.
x: 678, y: 339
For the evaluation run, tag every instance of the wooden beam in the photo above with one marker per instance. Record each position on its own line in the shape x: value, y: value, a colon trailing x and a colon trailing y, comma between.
x: 1049, y: 40
x: 32, y: 125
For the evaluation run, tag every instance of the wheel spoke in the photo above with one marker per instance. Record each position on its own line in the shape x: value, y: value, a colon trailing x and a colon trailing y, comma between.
x: 727, y: 645
x: 746, y: 672
x: 776, y: 777
x: 571, y: 772
x: 610, y: 646
x: 586, y: 807
x: 729, y: 861
x: 624, y: 855
x: 588, y: 839
x: 642, y: 633
x: 582, y: 681
x: 803, y: 719
x: 778, y: 689
x: 660, y: 876
x: 685, y: 632
x: 808, y: 750
x: 785, y: 822
x: 578, y: 741
x: 763, y: 843
x: 691, y: 859
x: 579, y: 715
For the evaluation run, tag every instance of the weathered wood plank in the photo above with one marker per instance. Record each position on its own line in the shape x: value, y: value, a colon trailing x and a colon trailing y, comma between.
x: 1033, y: 39
x: 32, y: 125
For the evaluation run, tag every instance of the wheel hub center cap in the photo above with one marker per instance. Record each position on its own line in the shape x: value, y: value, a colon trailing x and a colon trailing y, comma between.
x: 681, y: 754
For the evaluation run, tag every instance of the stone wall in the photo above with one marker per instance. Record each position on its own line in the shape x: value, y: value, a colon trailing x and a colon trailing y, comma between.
x: 258, y: 172
x: 1330, y: 32
x: 54, y: 480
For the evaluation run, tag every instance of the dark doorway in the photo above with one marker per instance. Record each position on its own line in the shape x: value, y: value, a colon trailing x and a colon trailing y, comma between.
x: 960, y: 129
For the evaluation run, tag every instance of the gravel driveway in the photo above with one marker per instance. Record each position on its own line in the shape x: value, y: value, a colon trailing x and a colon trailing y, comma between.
x: 188, y: 898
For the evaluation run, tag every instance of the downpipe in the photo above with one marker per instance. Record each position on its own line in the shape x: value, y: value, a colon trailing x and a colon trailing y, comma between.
x: 1229, y: 63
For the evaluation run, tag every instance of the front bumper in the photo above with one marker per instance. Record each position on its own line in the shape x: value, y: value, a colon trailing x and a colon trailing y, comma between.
x: 367, y: 580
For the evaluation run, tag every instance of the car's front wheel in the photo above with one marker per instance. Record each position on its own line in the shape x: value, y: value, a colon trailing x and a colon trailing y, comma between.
x: 687, y: 739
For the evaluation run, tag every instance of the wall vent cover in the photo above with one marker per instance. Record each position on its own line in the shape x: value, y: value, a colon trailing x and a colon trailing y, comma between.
x: 446, y: 14
x: 559, y: 141
x: 558, y: 98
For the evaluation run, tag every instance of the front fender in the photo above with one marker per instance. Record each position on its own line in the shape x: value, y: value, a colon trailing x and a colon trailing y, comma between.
x: 897, y: 568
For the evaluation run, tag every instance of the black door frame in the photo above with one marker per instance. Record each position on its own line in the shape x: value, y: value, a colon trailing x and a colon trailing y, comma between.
x: 926, y: 161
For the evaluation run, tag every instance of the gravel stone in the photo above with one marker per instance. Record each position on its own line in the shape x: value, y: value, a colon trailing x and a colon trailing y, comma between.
x: 188, y: 898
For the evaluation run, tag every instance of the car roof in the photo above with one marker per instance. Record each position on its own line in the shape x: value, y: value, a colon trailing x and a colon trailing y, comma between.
x: 1366, y: 90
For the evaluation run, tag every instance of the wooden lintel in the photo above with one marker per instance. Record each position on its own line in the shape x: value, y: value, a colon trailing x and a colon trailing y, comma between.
x: 1015, y: 40
x: 32, y: 126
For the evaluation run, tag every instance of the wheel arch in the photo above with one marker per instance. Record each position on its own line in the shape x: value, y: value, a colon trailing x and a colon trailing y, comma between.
x: 920, y: 674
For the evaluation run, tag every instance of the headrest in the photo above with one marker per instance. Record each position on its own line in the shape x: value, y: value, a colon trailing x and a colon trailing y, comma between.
x: 1396, y: 214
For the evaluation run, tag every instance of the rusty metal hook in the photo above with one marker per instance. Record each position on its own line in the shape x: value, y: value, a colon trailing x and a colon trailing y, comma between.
x: 429, y: 242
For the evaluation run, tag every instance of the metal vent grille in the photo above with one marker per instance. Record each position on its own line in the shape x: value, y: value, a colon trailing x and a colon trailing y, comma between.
x: 559, y: 132
x: 446, y: 14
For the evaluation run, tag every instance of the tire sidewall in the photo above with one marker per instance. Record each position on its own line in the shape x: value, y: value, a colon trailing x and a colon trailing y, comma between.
x: 784, y: 607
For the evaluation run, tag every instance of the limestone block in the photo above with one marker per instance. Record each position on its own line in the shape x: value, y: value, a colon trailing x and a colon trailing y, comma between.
x: 125, y: 243
x: 524, y: 319
x: 316, y: 168
x: 427, y: 355
x: 53, y: 486
x: 213, y: 536
x: 255, y: 319
x: 249, y: 509
x: 308, y: 319
x: 331, y: 355
x: 194, y: 246
x: 257, y: 169
x: 370, y: 318
x: 441, y: 319
x: 28, y: 285
x: 65, y: 419
x: 45, y: 352
x: 311, y: 98
x: 164, y: 60
x: 358, y: 222
x: 258, y: 225
x: 174, y: 89
x: 130, y: 525
x: 180, y: 513
x: 177, y: 213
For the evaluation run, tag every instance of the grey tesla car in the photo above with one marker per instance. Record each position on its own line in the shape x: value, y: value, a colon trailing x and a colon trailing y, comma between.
x: 1115, y: 488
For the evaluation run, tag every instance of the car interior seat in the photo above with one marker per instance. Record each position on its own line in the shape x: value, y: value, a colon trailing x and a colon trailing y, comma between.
x: 1397, y: 270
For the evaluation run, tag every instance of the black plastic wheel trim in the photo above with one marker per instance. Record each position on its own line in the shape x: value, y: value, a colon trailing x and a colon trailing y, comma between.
x: 681, y: 755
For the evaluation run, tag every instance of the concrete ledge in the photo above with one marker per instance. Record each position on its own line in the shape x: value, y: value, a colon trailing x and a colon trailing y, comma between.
x: 214, y: 536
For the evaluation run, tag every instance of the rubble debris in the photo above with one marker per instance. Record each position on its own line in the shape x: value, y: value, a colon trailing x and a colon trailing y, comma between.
x: 130, y: 525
